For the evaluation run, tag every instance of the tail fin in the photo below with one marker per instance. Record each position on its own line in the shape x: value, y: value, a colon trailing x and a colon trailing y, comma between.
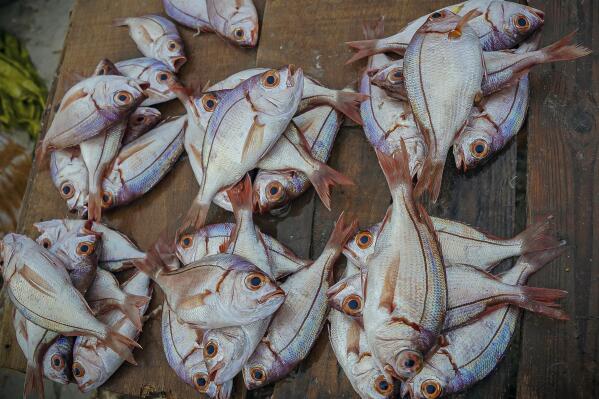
x: 120, y: 22
x: 537, y: 237
x: 131, y: 306
x: 542, y: 301
x: 94, y: 206
x: 348, y: 104
x: 341, y: 233
x: 196, y: 217
x: 532, y: 262
x: 159, y: 258
x: 121, y: 345
x: 396, y: 169
x: 34, y: 381
x: 370, y: 46
x: 40, y: 154
x: 241, y: 196
x: 324, y: 178
x: 430, y: 178
x: 562, y: 50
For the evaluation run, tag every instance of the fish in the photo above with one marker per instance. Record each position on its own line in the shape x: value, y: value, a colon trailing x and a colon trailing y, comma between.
x: 90, y: 108
x: 117, y: 249
x: 185, y: 354
x: 93, y: 363
x: 69, y: 175
x: 354, y: 356
x: 501, y: 25
x: 235, y: 20
x: 141, y: 164
x: 190, y: 13
x: 462, y: 244
x: 473, y: 351
x: 58, y: 360
x: 40, y: 288
x: 156, y: 37
x: 156, y: 73
x: 445, y: 52
x: 390, y: 78
x: 405, y: 285
x: 244, y: 127
x: 142, y: 120
x: 295, y: 326
x: 388, y: 121
x: 105, y: 294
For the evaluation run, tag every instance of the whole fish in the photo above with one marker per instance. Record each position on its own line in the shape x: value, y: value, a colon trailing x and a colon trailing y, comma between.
x: 354, y: 356
x: 388, y: 121
x: 235, y: 20
x: 502, y: 25
x: 462, y: 244
x: 94, y: 363
x: 90, y: 108
x: 105, y: 294
x: 245, y: 125
x: 69, y: 175
x: 445, y: 52
x: 296, y: 325
x: 141, y: 121
x: 190, y: 13
x: 405, y: 286
x: 58, y: 360
x: 184, y: 353
x: 156, y: 37
x: 40, y: 288
x: 473, y: 351
x: 141, y: 164
x: 153, y: 71
x: 117, y: 249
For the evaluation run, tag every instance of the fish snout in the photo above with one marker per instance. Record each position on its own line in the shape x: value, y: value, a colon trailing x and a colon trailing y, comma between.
x: 295, y: 74
x: 177, y: 62
x: 276, y: 293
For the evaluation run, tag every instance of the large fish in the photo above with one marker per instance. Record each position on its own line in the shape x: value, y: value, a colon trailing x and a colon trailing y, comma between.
x: 141, y: 121
x: 443, y: 70
x: 405, y: 285
x: 296, y: 325
x: 156, y: 37
x: 473, y: 351
x: 69, y: 175
x: 501, y: 25
x: 153, y: 71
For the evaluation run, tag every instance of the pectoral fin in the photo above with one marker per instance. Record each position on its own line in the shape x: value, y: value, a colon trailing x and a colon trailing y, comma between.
x: 36, y: 281
x: 194, y: 301
x: 254, y: 138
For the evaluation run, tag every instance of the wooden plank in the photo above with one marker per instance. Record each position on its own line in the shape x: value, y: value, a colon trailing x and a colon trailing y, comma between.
x: 559, y: 360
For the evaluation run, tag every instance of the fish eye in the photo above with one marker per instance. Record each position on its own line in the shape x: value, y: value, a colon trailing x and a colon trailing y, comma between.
x: 258, y: 373
x: 479, y: 149
x: 209, y: 102
x: 163, y: 77
x: 46, y: 243
x: 255, y: 281
x: 123, y: 98
x: 364, y: 239
x: 186, y: 241
x: 437, y: 14
x: 352, y: 305
x: 78, y: 370
x: 85, y: 248
x: 521, y: 21
x: 57, y: 362
x: 201, y: 382
x: 173, y: 45
x: 274, y: 191
x: 239, y: 33
x: 396, y: 75
x: 382, y: 386
x: 67, y: 191
x: 431, y: 389
x: 107, y: 199
x: 141, y: 118
x: 210, y: 350
x: 271, y: 79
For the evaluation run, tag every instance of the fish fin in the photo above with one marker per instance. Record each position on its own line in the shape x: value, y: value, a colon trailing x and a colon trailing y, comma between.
x: 348, y: 104
x: 457, y: 31
x: 428, y: 222
x: 535, y: 261
x: 94, y: 206
x: 159, y: 257
x: 132, y: 149
x: 396, y: 169
x: 36, y: 281
x: 241, y: 197
x: 339, y: 237
x: 353, y: 339
x: 254, y: 138
x: 130, y: 308
x: 195, y: 218
x: 34, y: 381
x: 365, y: 48
x: 106, y: 67
x: 120, y: 22
x: 194, y: 301
x: 67, y: 102
x: 430, y: 178
x: 387, y: 300
x: 121, y: 345
x: 537, y: 237
x: 41, y: 151
x: 323, y: 178
x: 562, y: 50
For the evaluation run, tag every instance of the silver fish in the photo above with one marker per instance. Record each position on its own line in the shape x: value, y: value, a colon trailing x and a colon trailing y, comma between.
x: 94, y: 363
x: 473, y: 351
x: 69, y: 175
x: 502, y: 25
x: 117, y: 249
x: 390, y: 78
x: 156, y: 37
x: 58, y: 360
x: 296, y: 325
x: 190, y: 13
x: 141, y: 121
x: 153, y: 71
x: 444, y: 53
x: 235, y: 20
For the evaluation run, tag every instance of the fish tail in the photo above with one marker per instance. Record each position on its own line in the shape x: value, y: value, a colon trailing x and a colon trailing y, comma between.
x: 396, y: 169
x: 40, y: 154
x: 131, y: 306
x: 159, y: 257
x: 537, y: 237
x: 563, y: 50
x: 120, y: 22
x: 94, y: 206
x: 196, y: 216
x: 323, y: 178
x: 430, y: 178
x: 542, y: 301
x: 535, y: 261
x: 223, y: 391
x: 365, y: 48
x: 348, y: 104
x: 241, y: 196
x: 34, y: 381
x: 342, y: 232
x: 121, y: 345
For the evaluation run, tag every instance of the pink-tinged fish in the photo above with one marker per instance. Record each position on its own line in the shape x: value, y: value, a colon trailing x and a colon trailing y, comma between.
x: 40, y: 288
x: 156, y: 37
x: 58, y: 360
x: 69, y: 175
x: 190, y: 13
x: 156, y: 73
x: 235, y: 20
x: 246, y: 124
x: 94, y: 363
x: 501, y: 25
x: 142, y: 120
x: 473, y: 351
x: 462, y: 244
x: 117, y: 249
x: 405, y: 286
x: 390, y: 78
x: 296, y: 325
x: 443, y: 71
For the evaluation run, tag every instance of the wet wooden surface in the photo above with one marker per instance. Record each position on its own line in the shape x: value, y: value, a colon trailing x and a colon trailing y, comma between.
x: 557, y: 148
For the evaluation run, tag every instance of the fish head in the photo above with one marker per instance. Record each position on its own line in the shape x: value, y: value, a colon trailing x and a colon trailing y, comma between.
x: 222, y: 350
x: 115, y: 96
x: 389, y: 76
x: 360, y: 247
x: 273, y: 190
x: 427, y: 384
x: 372, y: 383
x: 161, y: 79
x: 58, y: 360
x: 244, y: 28
x: 475, y: 145
x: 346, y: 296
x: 51, y: 232
x: 204, y: 242
x: 197, y: 373
x: 442, y: 21
x: 144, y: 118
x: 206, y: 104
x: 78, y: 248
x: 276, y: 93
x: 69, y: 175
x: 513, y: 22
x: 262, y: 367
x: 170, y: 50
x: 88, y: 368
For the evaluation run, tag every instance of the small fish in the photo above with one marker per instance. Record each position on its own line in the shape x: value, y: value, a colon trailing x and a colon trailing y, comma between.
x: 190, y: 13
x: 501, y: 25
x: 156, y: 37
x: 69, y: 175
x: 93, y: 363
x: 40, y: 288
x: 235, y: 20
x: 142, y: 120
x: 156, y: 73
x: 473, y: 351
x: 444, y: 53
x: 405, y: 286
x: 296, y: 325
x: 462, y: 244
x: 117, y: 249
x: 58, y: 360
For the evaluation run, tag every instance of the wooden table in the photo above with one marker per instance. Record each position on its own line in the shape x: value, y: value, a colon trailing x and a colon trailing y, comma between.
x: 551, y: 169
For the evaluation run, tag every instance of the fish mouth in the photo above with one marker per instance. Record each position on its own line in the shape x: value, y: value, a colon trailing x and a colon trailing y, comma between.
x: 406, y: 390
x: 253, y: 38
x: 538, y: 13
x: 372, y: 72
x: 177, y: 62
x: 334, y: 290
x: 295, y: 73
x: 276, y: 293
x: 460, y: 162
x: 214, y: 371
